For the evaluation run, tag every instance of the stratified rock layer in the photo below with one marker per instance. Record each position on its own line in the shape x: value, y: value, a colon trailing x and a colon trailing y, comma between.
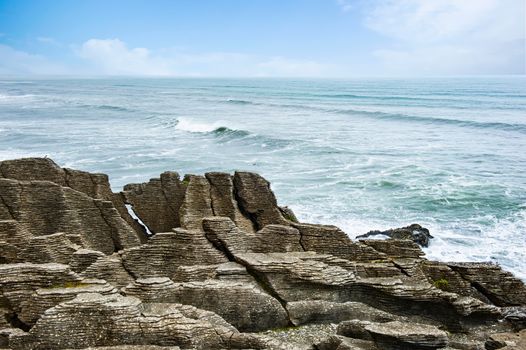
x: 224, y: 268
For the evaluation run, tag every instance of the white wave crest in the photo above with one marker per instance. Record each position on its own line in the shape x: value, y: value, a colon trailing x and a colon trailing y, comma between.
x: 189, y: 125
x: 501, y: 243
x: 10, y: 98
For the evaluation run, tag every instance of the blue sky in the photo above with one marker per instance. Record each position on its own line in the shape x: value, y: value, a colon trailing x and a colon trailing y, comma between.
x: 262, y: 38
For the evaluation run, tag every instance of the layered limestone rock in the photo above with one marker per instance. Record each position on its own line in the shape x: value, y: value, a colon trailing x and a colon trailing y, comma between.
x: 111, y: 269
x: 93, y: 319
x: 168, y: 202
x: 396, y: 335
x: 45, y: 214
x: 158, y: 201
x: 320, y: 311
x: 257, y: 200
x: 45, y: 298
x: 222, y: 195
x: 224, y: 268
x: 168, y: 252
x: 18, y: 282
x: 95, y: 186
x: 241, y: 303
x: 500, y: 287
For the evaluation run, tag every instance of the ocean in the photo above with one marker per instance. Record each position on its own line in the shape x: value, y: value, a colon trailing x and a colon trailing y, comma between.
x: 362, y: 154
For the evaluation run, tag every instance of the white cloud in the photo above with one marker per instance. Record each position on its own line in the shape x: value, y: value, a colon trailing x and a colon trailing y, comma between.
x: 451, y: 60
x: 16, y: 62
x: 48, y: 40
x: 282, y: 66
x: 114, y: 57
x: 450, y: 36
x: 345, y: 5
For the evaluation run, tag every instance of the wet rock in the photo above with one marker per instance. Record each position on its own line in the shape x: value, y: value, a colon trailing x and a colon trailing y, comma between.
x: 416, y: 233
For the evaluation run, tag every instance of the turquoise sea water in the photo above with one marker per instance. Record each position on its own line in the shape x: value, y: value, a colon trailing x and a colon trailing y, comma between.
x: 362, y: 154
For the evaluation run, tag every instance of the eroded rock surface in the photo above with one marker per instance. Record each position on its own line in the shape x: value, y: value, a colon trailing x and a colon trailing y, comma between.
x: 225, y: 268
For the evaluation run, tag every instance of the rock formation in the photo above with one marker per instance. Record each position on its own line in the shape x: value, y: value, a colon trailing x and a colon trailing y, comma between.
x: 414, y: 232
x: 222, y: 266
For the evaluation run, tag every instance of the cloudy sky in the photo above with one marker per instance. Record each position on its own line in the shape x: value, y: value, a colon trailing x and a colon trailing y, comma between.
x: 262, y: 38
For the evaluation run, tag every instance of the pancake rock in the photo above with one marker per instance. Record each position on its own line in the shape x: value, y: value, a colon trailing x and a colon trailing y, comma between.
x: 216, y: 263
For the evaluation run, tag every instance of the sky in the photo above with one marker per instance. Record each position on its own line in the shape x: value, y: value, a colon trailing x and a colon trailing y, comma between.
x: 262, y: 38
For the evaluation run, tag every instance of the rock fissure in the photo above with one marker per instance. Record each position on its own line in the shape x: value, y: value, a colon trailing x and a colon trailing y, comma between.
x: 2, y: 171
x: 117, y: 246
x: 17, y: 323
x: 401, y: 268
x: 93, y: 184
x: 136, y: 217
x: 267, y: 287
x: 484, y: 292
x: 210, y: 196
x: 222, y: 249
x: 251, y: 217
x: 128, y: 270
x: 8, y: 207
x: 302, y: 245
x: 66, y: 178
x: 175, y: 212
x: 260, y: 279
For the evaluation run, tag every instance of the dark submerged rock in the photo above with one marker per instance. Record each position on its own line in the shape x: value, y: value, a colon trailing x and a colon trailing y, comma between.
x: 413, y: 232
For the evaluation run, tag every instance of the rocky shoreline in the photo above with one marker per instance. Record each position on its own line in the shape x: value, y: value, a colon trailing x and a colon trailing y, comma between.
x: 222, y: 266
